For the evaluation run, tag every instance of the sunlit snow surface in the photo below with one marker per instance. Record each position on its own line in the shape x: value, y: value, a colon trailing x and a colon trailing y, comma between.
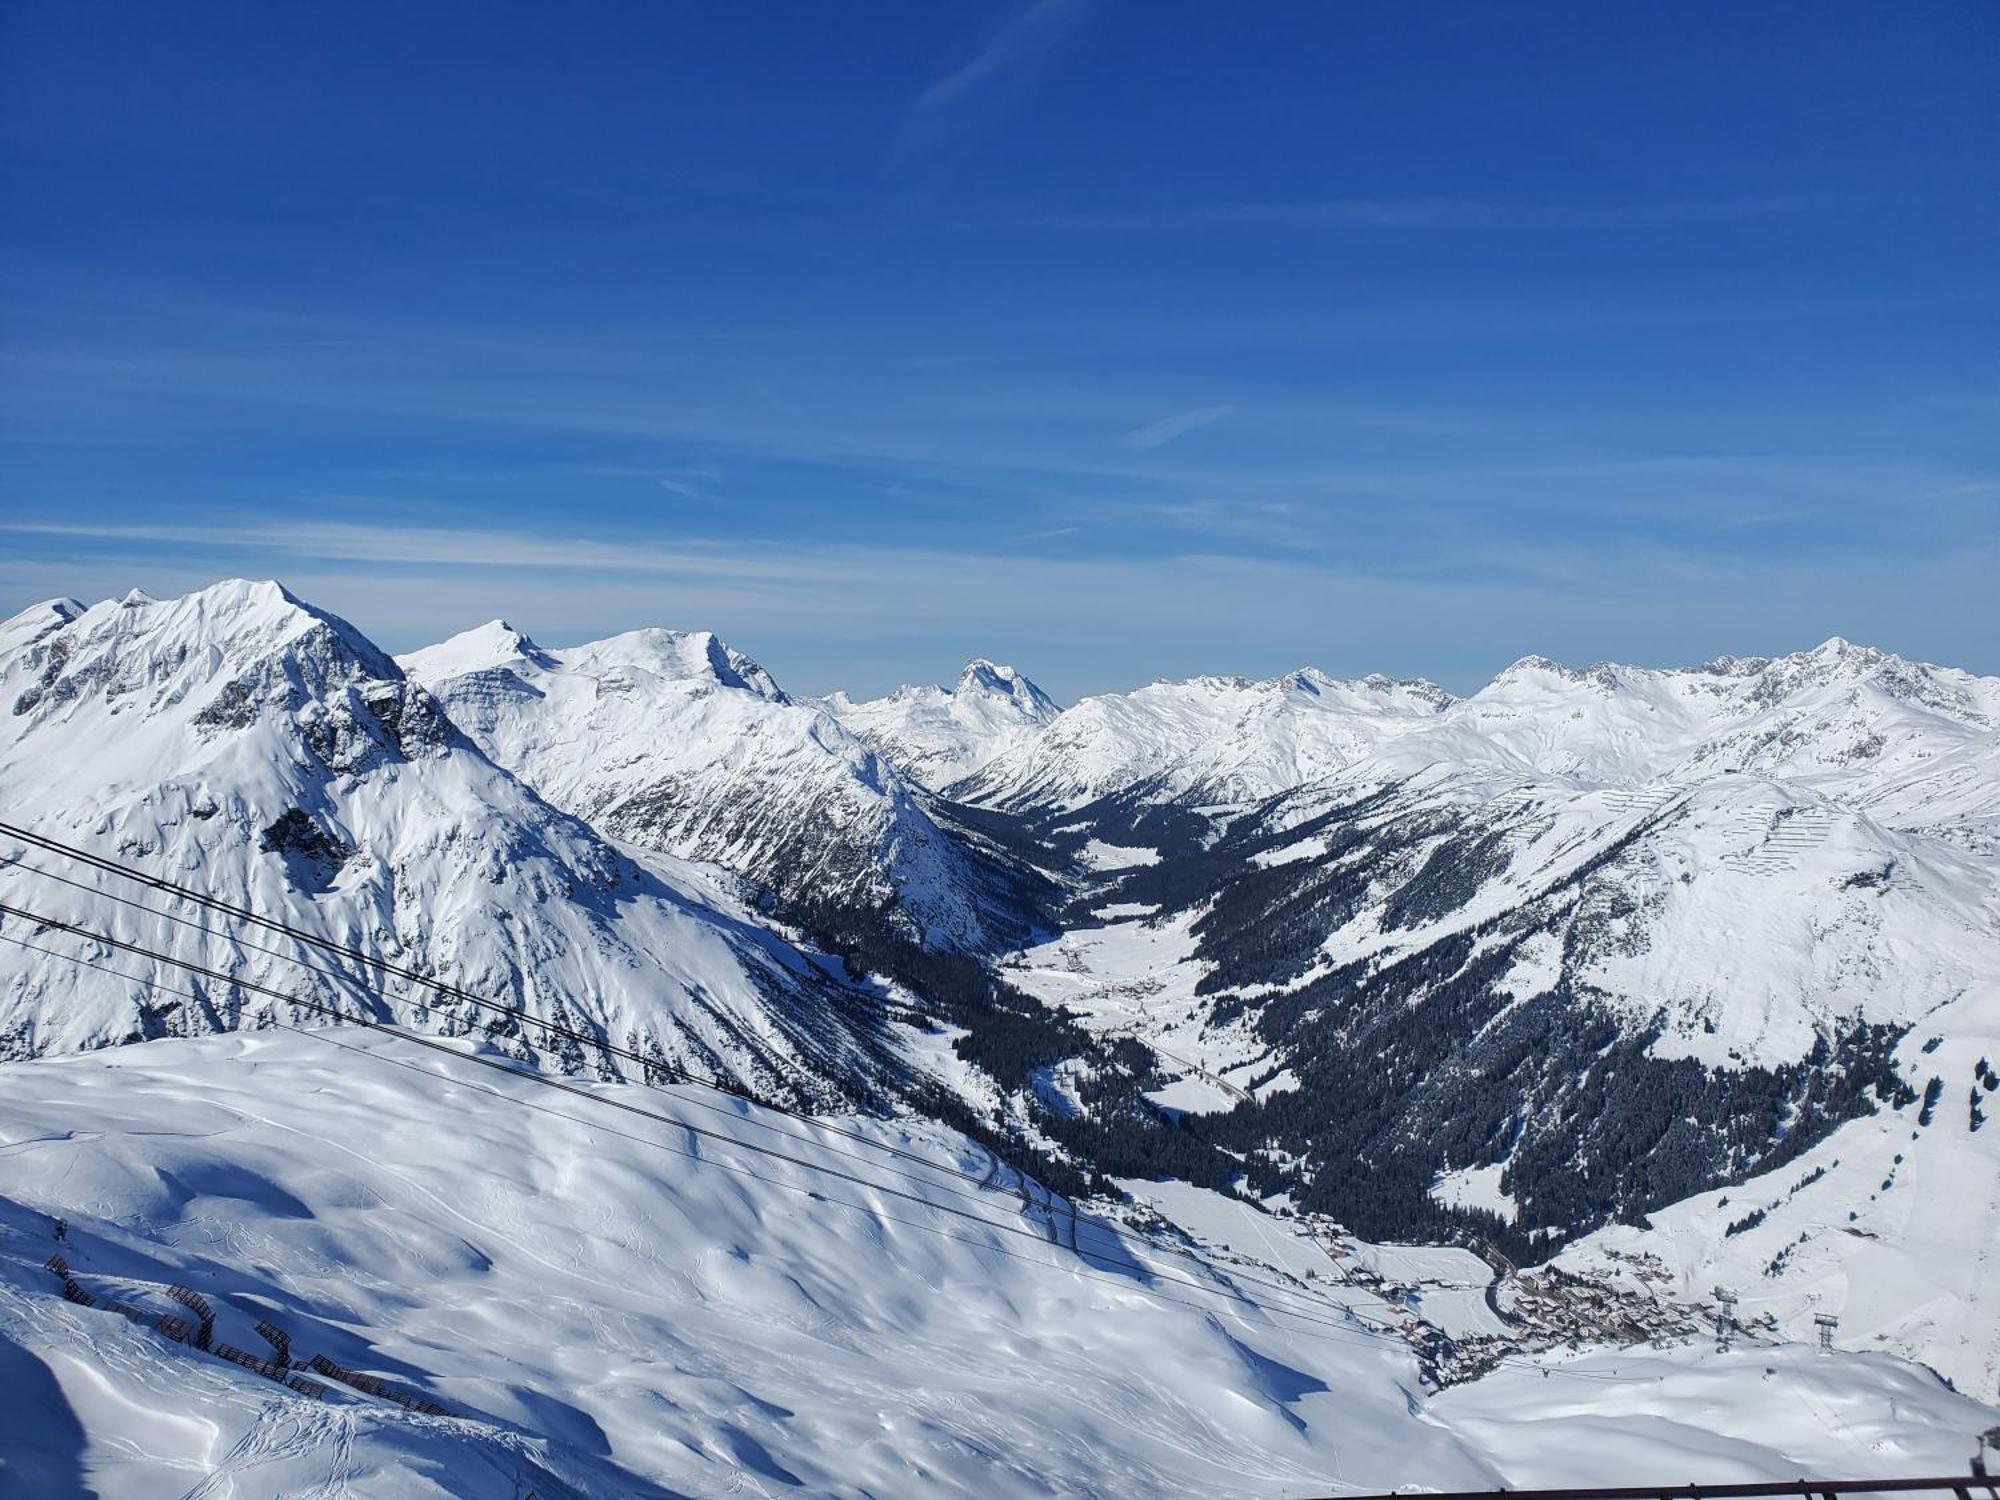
x: 613, y: 1317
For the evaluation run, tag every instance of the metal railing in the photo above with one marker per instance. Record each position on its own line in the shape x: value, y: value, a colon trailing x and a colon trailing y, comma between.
x: 1965, y: 1487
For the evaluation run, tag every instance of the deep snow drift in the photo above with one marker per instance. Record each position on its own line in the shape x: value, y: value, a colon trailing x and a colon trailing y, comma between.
x: 607, y: 1307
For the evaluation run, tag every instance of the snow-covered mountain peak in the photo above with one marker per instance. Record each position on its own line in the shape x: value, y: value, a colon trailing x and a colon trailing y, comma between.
x: 676, y: 655
x: 1415, y: 695
x: 479, y: 649
x: 671, y: 655
x: 1420, y: 690
x: 37, y: 620
x: 1223, y: 739
x: 263, y: 749
x: 987, y: 678
x: 939, y: 736
x: 675, y: 741
x: 1543, y: 674
x: 210, y: 661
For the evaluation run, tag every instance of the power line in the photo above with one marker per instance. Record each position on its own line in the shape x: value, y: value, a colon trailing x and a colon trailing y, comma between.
x: 1270, y: 1313
x: 1152, y: 1241
x: 500, y: 1066
x: 1368, y: 1327
x: 417, y: 976
x: 1365, y: 1334
x: 349, y: 980
x: 557, y: 1028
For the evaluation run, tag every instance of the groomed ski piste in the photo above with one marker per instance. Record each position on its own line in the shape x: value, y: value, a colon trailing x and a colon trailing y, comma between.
x: 599, y: 1304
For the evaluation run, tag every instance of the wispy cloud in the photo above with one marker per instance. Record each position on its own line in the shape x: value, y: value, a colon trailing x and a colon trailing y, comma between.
x: 813, y: 613
x: 1267, y: 523
x: 442, y: 546
x: 1444, y: 212
x: 978, y: 92
x: 1158, y: 434
x: 697, y: 484
x: 1044, y: 536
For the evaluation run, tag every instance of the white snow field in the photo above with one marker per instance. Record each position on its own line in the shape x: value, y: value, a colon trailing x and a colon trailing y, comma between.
x: 609, y: 1306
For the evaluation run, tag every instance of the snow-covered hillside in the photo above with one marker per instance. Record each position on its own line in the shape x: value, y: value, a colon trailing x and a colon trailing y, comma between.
x: 602, y: 1312
x: 1888, y: 1224
x: 1860, y: 725
x: 1596, y: 943
x: 672, y: 740
x: 251, y: 746
x: 939, y: 736
x: 1910, y: 740
x: 1210, y: 739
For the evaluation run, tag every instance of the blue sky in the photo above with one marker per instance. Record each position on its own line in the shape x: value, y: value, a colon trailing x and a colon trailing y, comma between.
x: 1114, y: 339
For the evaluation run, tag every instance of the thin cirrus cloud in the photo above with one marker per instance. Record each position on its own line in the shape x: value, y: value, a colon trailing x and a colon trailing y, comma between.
x: 979, y: 92
x: 1159, y: 433
x: 440, y: 546
x: 811, y: 618
x: 1439, y: 212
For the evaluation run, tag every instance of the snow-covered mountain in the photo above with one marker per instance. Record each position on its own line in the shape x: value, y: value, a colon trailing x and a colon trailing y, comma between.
x: 1861, y: 725
x: 1558, y: 1007
x: 1208, y: 739
x: 1886, y: 1225
x: 262, y: 750
x: 939, y: 736
x: 1687, y: 976
x: 1858, y: 721
x: 671, y: 740
x: 1579, y: 948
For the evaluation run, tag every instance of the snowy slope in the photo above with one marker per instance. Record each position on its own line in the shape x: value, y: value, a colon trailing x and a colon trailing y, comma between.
x: 1857, y: 723
x: 604, y: 1317
x: 1210, y: 739
x: 1916, y: 744
x: 1746, y: 915
x: 939, y: 736
x: 36, y: 621
x: 254, y: 747
x: 1887, y: 1225
x: 1594, y: 1001
x: 671, y: 740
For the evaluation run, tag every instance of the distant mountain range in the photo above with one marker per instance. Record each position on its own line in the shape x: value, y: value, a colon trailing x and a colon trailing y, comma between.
x: 1584, y: 951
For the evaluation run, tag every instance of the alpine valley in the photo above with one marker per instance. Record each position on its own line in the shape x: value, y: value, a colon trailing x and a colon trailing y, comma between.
x: 1346, y: 1084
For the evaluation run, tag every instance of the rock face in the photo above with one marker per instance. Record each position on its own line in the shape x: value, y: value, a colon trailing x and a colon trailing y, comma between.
x: 673, y: 741
x: 938, y: 736
x: 262, y: 750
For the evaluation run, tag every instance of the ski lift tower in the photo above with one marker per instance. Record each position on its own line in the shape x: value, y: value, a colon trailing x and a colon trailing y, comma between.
x: 1825, y: 1323
x: 1725, y: 1319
